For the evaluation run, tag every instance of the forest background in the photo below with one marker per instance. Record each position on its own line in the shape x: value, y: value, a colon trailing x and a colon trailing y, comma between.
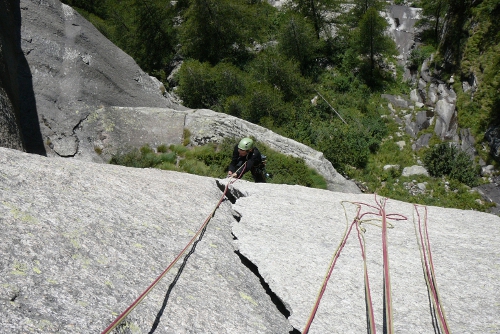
x: 314, y: 71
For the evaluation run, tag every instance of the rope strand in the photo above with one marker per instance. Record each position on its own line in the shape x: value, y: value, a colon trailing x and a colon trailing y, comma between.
x: 177, y: 258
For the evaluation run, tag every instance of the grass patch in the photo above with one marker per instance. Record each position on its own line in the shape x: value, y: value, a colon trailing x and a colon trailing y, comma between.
x: 213, y: 159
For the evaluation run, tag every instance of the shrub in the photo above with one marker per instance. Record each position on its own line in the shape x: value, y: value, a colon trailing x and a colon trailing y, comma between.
x: 419, y: 54
x: 446, y: 159
x: 344, y: 146
x: 439, y: 159
x: 162, y: 149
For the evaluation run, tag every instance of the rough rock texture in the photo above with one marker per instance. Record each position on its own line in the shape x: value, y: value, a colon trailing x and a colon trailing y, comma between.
x: 293, y: 252
x: 12, y: 62
x: 116, y: 129
x: 209, y: 126
x: 76, y: 70
x: 107, y: 131
x: 80, y: 241
x: 402, y: 21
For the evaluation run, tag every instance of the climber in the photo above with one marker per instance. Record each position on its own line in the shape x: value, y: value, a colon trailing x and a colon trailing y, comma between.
x: 245, y: 151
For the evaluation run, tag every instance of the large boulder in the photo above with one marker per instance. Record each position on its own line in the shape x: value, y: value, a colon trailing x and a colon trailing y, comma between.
x: 75, y: 70
x: 81, y: 241
x: 107, y: 131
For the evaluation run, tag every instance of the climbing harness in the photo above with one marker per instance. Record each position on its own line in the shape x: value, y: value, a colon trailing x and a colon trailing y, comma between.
x: 129, y: 309
x: 261, y: 168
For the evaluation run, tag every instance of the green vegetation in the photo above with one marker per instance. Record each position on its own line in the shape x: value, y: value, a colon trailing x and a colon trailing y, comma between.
x: 446, y: 159
x: 212, y: 160
x: 284, y: 69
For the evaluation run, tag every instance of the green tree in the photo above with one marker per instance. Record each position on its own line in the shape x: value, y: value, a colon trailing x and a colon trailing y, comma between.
x: 281, y: 73
x: 372, y: 40
x: 154, y: 38
x: 197, y: 87
x: 360, y: 8
x: 435, y: 10
x: 316, y: 11
x: 214, y: 30
x: 296, y: 40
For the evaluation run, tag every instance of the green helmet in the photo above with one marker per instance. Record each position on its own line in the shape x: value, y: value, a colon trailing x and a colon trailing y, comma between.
x: 245, y: 144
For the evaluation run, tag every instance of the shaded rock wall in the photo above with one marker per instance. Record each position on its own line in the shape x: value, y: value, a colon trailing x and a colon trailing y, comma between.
x: 10, y: 50
x: 75, y: 70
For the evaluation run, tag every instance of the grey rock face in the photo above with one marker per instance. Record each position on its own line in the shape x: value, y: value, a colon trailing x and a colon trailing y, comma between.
x: 111, y: 130
x: 402, y: 21
x: 293, y: 254
x: 422, y: 141
x: 396, y: 101
x: 446, y: 120
x: 414, y: 170
x: 208, y: 126
x: 76, y: 70
x: 81, y: 241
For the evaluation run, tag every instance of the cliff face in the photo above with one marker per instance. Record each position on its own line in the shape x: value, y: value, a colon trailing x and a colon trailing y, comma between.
x: 74, y: 70
x: 84, y: 98
x: 81, y: 241
x: 11, y: 62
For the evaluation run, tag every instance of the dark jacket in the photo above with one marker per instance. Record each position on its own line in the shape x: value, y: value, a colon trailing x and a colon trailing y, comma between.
x: 253, y: 160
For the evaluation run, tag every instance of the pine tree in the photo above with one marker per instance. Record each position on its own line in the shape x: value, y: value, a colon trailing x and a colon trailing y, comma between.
x: 372, y: 39
x: 214, y: 30
x: 318, y: 12
x: 435, y: 10
x: 296, y: 40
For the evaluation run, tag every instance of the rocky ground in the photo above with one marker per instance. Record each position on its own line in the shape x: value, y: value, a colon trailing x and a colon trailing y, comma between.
x: 80, y: 241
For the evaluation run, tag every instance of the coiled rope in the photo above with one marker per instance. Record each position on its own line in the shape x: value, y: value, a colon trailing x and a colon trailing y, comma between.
x: 129, y: 309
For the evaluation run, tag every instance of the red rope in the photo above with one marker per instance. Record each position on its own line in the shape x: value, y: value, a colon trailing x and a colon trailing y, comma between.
x: 152, y: 285
x: 429, y: 270
x: 379, y: 211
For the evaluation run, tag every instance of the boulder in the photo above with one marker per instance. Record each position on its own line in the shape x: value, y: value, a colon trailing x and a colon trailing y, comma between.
x: 414, y: 170
x: 422, y: 141
x: 75, y: 70
x: 415, y: 96
x: 396, y: 101
x: 81, y: 241
x: 111, y: 130
x: 446, y: 120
